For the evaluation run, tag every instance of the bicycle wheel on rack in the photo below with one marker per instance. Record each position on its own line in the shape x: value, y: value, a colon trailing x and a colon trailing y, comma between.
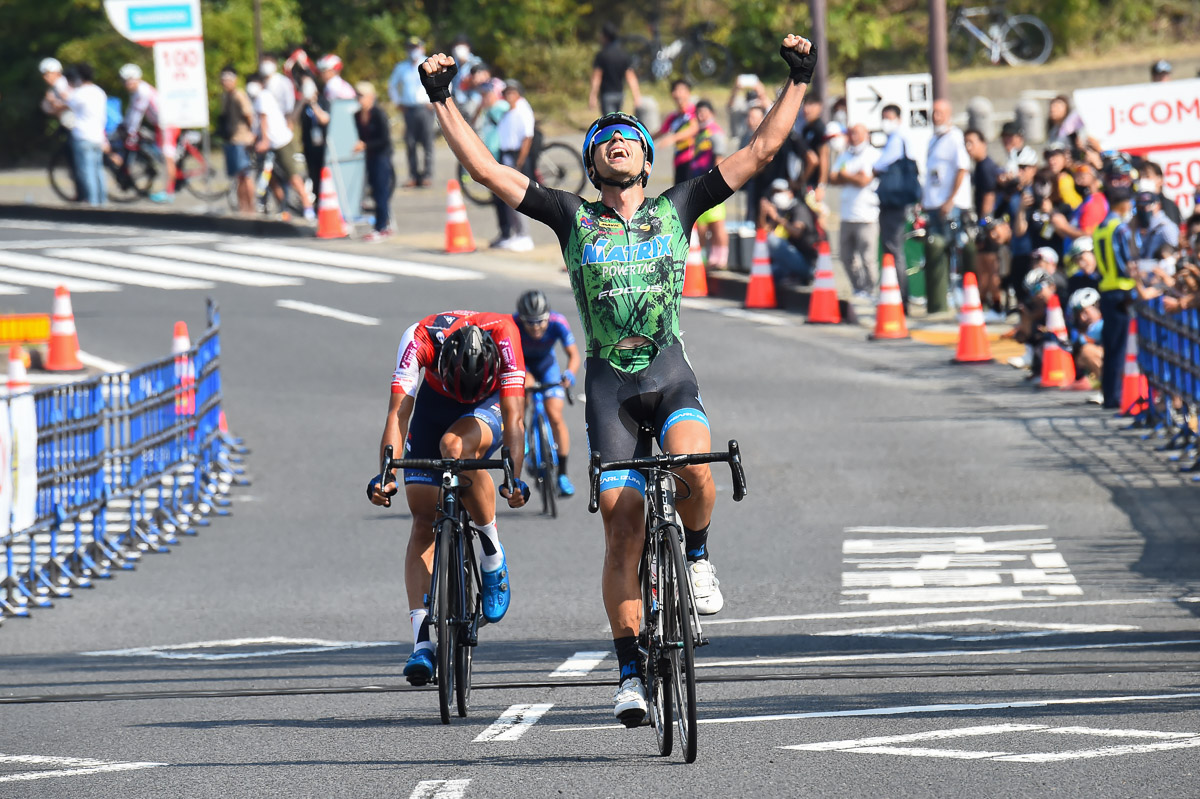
x: 559, y: 167
x: 1025, y: 39
x: 475, y: 192
x: 547, y: 476
x: 677, y: 635
x: 658, y: 683
x: 641, y: 54
x: 707, y: 61
x: 465, y: 650
x: 61, y: 171
x: 448, y: 571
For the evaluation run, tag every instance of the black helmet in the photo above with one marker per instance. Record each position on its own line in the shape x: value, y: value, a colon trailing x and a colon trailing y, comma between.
x: 1160, y: 67
x: 469, y: 364
x: 533, y: 306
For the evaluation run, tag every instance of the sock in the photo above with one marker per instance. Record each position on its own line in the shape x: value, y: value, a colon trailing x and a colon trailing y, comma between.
x: 696, y: 543
x: 491, y: 554
x: 420, y: 626
x: 628, y: 657
x: 562, y: 463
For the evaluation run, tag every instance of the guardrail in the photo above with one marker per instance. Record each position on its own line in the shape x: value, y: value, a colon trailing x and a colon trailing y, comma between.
x: 125, y: 463
x: 1169, y: 357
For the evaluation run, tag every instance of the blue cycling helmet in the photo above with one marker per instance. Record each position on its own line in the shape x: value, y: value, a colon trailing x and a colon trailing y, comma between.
x: 589, y: 141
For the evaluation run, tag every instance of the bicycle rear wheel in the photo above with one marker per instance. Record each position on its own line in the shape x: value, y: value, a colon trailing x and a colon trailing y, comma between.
x: 559, y: 167
x: 475, y: 192
x: 61, y: 171
x: 547, y: 476
x: 448, y: 579
x: 1025, y: 39
x: 707, y: 61
x: 465, y: 649
x: 203, y: 180
x: 677, y: 637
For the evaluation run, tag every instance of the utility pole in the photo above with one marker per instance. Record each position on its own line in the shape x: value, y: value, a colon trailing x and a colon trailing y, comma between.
x: 821, y: 74
x: 939, y: 64
x: 258, y: 48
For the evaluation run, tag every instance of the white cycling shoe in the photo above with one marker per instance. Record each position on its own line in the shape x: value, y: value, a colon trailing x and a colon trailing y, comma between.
x: 630, y: 701
x: 706, y: 587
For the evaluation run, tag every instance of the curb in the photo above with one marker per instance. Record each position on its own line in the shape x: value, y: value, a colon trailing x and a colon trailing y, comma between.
x: 733, y: 285
x: 267, y: 228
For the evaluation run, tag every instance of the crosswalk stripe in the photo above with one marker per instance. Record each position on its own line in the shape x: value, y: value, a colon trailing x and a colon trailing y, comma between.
x: 204, y: 272
x: 7, y: 289
x: 312, y: 271
x: 75, y: 269
x: 368, y: 262
x: 41, y: 281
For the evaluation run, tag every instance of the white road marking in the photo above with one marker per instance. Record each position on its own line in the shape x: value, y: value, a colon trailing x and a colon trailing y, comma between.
x: 187, y: 651
x: 271, y: 265
x: 701, y: 304
x: 893, y: 596
x: 945, y: 653
x: 994, y: 528
x: 1027, y: 630
x: 144, y: 241
x: 43, y: 281
x: 7, y: 289
x: 131, y: 277
x: 440, y: 789
x: 332, y: 313
x: 907, y: 710
x: 85, y: 227
x: 932, y: 735
x: 928, y: 611
x: 71, y: 767
x: 579, y: 664
x: 961, y: 545
x: 185, y: 269
x: 368, y: 263
x: 96, y: 362
x: 515, y: 722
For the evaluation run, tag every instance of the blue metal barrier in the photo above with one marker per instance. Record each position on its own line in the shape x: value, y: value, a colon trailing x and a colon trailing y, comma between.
x: 125, y: 463
x: 1169, y: 357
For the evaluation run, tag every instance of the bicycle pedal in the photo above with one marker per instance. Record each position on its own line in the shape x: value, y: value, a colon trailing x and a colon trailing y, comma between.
x: 702, y: 641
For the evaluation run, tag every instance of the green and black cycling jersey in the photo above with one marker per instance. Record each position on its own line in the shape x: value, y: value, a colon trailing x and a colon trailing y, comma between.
x: 627, y: 274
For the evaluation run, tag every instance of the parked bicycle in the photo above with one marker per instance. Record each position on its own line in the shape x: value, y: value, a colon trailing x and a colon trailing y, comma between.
x: 265, y: 183
x: 558, y: 166
x: 1016, y: 39
x: 699, y: 58
x: 541, y: 450
x: 129, y: 180
x: 454, y: 600
x: 195, y: 172
x: 670, y: 628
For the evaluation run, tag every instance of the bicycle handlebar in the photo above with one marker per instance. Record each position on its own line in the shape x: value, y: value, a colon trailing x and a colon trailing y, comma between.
x: 544, y: 387
x: 388, y: 465
x: 666, y: 462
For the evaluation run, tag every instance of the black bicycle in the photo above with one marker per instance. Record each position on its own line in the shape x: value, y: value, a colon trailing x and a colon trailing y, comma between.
x: 454, y: 601
x: 700, y: 58
x: 541, y: 450
x: 670, y: 628
x: 129, y: 180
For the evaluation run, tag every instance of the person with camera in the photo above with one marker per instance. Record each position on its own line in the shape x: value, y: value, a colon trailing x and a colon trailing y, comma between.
x: 947, y: 194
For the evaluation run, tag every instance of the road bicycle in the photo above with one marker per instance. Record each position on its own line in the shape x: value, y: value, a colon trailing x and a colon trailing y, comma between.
x: 558, y: 166
x: 195, y: 172
x: 454, y: 600
x: 700, y: 59
x: 1016, y: 39
x: 670, y: 628
x: 129, y: 180
x: 541, y: 450
x: 265, y: 183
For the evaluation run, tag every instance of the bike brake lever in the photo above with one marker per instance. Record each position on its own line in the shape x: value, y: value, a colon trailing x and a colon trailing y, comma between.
x: 735, y: 468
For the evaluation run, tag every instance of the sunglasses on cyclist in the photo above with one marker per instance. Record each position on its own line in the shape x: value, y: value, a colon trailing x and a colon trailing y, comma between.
x: 535, y: 321
x: 628, y: 132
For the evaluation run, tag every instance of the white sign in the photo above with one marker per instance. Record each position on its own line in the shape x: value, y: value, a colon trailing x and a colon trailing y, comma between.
x: 182, y: 84
x: 23, y: 417
x: 150, y: 21
x: 1158, y: 121
x: 913, y: 94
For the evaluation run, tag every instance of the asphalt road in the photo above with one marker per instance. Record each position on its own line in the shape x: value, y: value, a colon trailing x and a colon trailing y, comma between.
x: 943, y: 582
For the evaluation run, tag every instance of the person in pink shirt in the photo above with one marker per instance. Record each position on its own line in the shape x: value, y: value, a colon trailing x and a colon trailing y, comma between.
x: 680, y: 129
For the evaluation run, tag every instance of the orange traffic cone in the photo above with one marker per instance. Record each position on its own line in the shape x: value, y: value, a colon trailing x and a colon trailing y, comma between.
x: 458, y: 229
x: 889, y: 311
x: 18, y: 378
x: 973, y: 344
x: 823, y: 304
x: 330, y: 224
x: 63, y: 351
x: 1135, y: 390
x: 185, y: 371
x: 695, y: 279
x: 1058, y: 367
x: 761, y: 291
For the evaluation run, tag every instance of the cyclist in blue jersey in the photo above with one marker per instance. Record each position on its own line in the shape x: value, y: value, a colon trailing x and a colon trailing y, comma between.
x: 541, y: 329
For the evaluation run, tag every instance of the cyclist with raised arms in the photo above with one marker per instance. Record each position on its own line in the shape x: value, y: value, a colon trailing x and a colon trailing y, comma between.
x: 541, y: 329
x: 471, y: 401
x: 626, y: 255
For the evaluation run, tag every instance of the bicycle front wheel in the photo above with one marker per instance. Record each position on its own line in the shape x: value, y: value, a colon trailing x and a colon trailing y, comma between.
x: 657, y: 673
x: 448, y: 579
x: 198, y: 175
x: 547, y: 476
x: 475, y: 192
x: 559, y: 167
x: 1025, y: 39
x: 465, y: 649
x: 62, y: 174
x: 677, y: 615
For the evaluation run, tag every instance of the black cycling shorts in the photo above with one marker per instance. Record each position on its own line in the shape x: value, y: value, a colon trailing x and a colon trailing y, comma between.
x: 619, y: 403
x: 432, y: 416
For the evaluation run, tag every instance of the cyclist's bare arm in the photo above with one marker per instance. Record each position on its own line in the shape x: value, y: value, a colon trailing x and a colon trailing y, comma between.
x: 512, y: 415
x: 744, y: 164
x: 395, y: 430
x: 635, y: 88
x: 573, y: 359
x: 505, y: 182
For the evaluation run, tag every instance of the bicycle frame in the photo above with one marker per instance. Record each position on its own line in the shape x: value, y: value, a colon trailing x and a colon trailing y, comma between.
x: 538, y: 396
x: 963, y: 19
x: 463, y: 551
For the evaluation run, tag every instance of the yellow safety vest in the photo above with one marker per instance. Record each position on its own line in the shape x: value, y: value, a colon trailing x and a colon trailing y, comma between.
x: 1106, y: 260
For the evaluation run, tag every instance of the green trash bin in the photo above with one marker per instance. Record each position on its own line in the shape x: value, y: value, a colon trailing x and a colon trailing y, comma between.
x: 914, y: 257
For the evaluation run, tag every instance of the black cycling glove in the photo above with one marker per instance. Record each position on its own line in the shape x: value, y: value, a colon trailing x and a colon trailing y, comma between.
x: 438, y: 86
x: 800, y: 66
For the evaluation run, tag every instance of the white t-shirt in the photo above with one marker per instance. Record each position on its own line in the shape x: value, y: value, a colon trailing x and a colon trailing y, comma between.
x: 338, y: 88
x: 89, y: 103
x: 517, y: 126
x: 278, y: 133
x: 947, y: 155
x: 859, y: 204
x: 143, y: 105
x: 284, y: 92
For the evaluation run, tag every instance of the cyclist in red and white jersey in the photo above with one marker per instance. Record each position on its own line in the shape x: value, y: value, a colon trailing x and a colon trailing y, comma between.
x: 143, y: 107
x: 471, y: 400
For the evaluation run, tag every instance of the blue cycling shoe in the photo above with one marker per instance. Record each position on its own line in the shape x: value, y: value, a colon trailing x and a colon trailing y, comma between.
x: 564, y: 486
x: 419, y: 668
x: 495, y: 593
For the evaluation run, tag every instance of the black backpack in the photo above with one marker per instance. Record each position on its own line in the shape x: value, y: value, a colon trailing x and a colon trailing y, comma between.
x: 900, y: 184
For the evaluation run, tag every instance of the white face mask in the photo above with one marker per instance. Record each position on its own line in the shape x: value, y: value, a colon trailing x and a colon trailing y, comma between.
x: 858, y: 148
x: 253, y: 89
x: 889, y: 126
x: 461, y: 53
x: 1128, y: 215
x: 417, y: 56
x: 840, y: 117
x: 309, y: 89
x: 267, y: 68
x: 783, y: 200
x: 941, y: 130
